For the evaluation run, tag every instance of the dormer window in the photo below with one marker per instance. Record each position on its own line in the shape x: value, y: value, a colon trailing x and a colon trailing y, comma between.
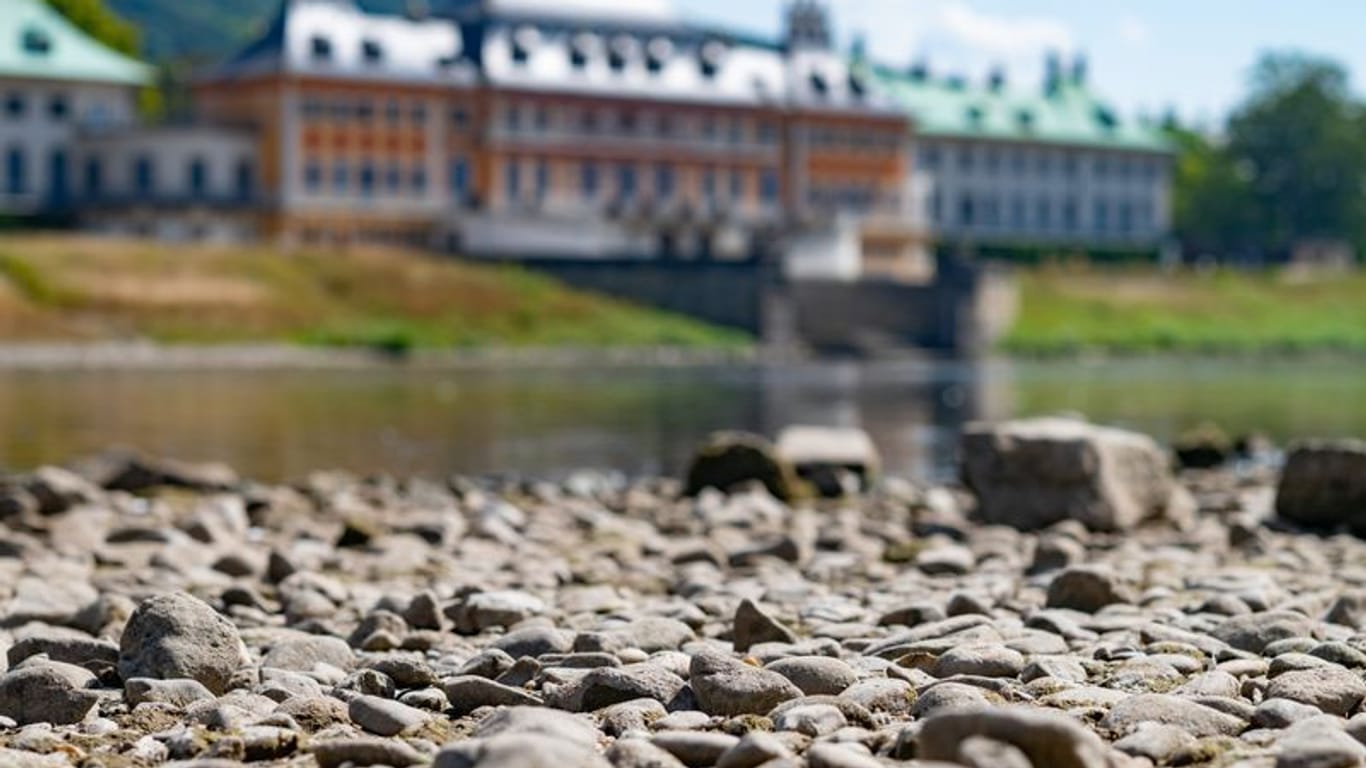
x: 858, y: 87
x: 1026, y: 120
x: 321, y: 48
x: 819, y: 85
x: 581, y: 49
x: 657, y: 54
x: 620, y: 53
x: 976, y: 116
x: 709, y: 58
x: 372, y: 52
x: 524, y: 40
x: 1106, y: 117
x: 37, y: 42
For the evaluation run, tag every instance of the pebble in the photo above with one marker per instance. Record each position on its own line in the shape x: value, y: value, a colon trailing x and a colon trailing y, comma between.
x: 178, y: 636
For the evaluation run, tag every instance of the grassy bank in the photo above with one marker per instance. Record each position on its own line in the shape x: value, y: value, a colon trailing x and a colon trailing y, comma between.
x: 62, y: 288
x: 1142, y: 310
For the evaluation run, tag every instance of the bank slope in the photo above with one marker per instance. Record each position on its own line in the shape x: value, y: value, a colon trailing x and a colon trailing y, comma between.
x: 61, y: 288
x: 1067, y: 310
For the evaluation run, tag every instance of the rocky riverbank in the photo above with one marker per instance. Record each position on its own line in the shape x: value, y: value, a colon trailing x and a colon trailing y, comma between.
x: 154, y: 612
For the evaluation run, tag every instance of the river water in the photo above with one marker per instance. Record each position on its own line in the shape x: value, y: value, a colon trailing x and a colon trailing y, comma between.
x: 527, y: 420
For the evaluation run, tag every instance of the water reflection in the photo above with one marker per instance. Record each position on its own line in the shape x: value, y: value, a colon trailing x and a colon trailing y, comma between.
x: 280, y: 424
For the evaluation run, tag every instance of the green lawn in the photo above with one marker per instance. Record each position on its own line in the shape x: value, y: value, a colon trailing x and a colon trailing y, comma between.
x: 90, y: 289
x: 1067, y: 310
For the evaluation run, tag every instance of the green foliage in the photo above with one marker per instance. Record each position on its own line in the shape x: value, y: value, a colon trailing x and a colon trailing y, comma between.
x: 1067, y: 310
x: 92, y: 17
x: 1290, y: 166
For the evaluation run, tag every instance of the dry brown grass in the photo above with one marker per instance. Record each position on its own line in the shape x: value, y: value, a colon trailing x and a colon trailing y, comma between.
x: 80, y: 287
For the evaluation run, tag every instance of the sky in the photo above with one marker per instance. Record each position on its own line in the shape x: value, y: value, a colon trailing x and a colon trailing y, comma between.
x: 1146, y: 56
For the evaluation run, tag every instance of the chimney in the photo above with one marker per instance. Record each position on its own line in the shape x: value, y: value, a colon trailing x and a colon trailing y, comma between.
x: 996, y: 81
x: 1080, y: 67
x: 1052, y: 78
x: 808, y: 26
x: 920, y: 71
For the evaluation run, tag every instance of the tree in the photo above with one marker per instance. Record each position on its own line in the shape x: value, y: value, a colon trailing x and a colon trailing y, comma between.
x: 1213, y: 208
x: 1297, y: 144
x: 93, y: 18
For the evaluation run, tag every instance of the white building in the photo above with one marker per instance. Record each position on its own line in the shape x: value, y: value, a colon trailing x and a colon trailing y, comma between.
x: 1029, y: 173
x: 56, y: 85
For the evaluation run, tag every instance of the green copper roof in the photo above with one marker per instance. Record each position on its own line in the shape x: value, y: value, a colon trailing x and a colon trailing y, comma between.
x: 37, y: 42
x: 1071, y: 114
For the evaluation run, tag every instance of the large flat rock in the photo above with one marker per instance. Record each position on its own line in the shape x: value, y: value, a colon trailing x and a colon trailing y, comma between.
x: 1032, y: 474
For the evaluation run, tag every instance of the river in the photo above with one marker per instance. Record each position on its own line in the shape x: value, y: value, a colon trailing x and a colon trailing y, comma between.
x: 527, y: 420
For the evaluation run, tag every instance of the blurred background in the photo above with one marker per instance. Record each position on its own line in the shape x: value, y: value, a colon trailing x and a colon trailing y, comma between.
x: 528, y: 236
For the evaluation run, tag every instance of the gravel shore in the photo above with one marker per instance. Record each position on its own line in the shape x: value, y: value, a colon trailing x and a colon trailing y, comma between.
x: 154, y: 612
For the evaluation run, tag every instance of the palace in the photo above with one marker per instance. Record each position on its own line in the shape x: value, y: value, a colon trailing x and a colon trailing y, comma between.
x: 569, y: 128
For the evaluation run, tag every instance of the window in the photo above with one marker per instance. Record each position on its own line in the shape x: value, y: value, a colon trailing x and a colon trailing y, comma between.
x: 365, y: 110
x: 1018, y: 213
x: 144, y: 176
x: 588, y: 179
x: 513, y: 179
x: 197, y: 177
x: 1070, y: 216
x: 59, y: 108
x: 321, y: 49
x: 393, y: 179
x: 626, y: 180
x: 965, y: 159
x: 246, y: 180
x: 342, y: 111
x: 737, y: 185
x: 418, y: 179
x: 1043, y: 216
x: 664, y: 181
x: 94, y: 178
x: 372, y: 52
x: 929, y: 158
x: 15, y: 105
x: 419, y: 113
x: 709, y: 185
x: 37, y: 41
x: 1102, y: 217
x: 542, y: 179
x: 460, y: 178
x: 1126, y: 218
x: 341, y: 179
x: 770, y: 188
x: 392, y: 111
x: 16, y: 171
x: 367, y: 180
x: 1069, y: 166
x: 460, y: 119
x: 967, y: 211
x: 1102, y: 167
x: 514, y: 118
x: 313, y: 177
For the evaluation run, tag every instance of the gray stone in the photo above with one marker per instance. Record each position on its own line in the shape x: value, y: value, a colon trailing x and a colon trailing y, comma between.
x: 1331, y: 689
x: 177, y: 693
x: 1087, y: 589
x: 471, y: 692
x: 812, y: 720
x: 1047, y: 739
x: 827, y: 755
x: 753, y: 626
x: 384, y: 717
x: 1319, y: 743
x: 695, y: 749
x: 816, y: 675
x: 518, y: 720
x: 93, y: 654
x: 1032, y: 474
x: 615, y: 685
x: 1348, y: 610
x: 1196, y: 719
x: 335, y: 753
x: 1323, y: 485
x: 981, y: 752
x: 304, y: 654
x: 534, y: 642
x: 1282, y: 713
x: 485, y: 610
x: 754, y: 749
x: 980, y: 660
x: 47, y: 692
x: 1254, y: 632
x: 531, y: 750
x: 638, y: 753
x: 178, y: 636
x: 948, y: 560
x: 1155, y: 741
x: 729, y: 460
x: 886, y: 695
x: 728, y: 688
x: 949, y: 697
